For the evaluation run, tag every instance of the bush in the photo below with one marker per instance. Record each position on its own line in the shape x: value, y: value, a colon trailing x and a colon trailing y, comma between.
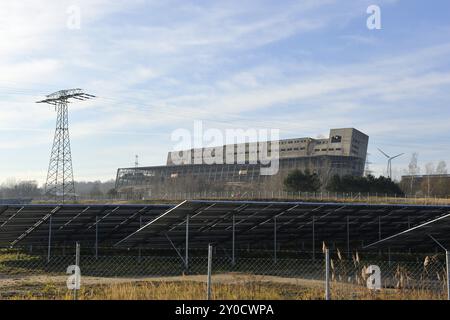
x: 302, y: 181
x: 368, y: 184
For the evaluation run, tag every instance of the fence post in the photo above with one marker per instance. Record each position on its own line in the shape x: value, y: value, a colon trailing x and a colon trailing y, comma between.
x: 140, y: 248
x: 77, y: 263
x: 233, y: 244
x: 275, y: 244
x: 327, y: 274
x: 313, y: 239
x: 96, y: 237
x: 208, y: 288
x: 186, y: 251
x: 447, y: 256
x: 49, y: 245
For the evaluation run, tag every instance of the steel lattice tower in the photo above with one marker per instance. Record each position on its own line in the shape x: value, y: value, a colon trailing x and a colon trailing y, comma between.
x: 60, y: 184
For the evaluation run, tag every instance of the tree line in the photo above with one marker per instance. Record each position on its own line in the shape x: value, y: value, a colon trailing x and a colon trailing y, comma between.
x: 13, y: 189
x: 305, y: 181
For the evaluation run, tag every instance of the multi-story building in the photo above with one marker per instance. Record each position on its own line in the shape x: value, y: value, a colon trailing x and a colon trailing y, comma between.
x: 239, y: 166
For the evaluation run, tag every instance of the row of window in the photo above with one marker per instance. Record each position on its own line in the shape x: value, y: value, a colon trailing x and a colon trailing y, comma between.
x: 294, y: 149
x: 293, y: 141
x: 330, y: 149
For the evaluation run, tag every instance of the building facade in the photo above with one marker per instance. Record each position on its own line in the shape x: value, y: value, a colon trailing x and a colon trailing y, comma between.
x: 239, y: 167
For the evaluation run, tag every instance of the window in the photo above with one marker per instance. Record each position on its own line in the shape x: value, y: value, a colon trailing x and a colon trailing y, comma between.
x: 336, y: 139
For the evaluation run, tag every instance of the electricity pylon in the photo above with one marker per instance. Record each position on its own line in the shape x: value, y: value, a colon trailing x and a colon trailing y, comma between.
x: 60, y: 184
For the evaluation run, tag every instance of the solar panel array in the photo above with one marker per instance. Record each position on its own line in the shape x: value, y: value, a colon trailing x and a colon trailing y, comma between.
x: 293, y: 224
x: 34, y: 224
x: 257, y: 224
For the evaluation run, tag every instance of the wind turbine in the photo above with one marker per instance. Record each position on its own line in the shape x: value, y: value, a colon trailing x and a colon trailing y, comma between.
x: 389, y: 166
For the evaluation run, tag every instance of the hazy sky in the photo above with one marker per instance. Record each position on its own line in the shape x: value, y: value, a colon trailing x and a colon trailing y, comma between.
x: 301, y: 66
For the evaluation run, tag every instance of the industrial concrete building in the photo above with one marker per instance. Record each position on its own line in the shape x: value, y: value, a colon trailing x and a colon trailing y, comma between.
x: 210, y: 169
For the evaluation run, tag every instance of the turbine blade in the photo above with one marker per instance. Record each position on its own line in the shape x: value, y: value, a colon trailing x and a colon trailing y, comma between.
x: 383, y: 153
x: 397, y: 156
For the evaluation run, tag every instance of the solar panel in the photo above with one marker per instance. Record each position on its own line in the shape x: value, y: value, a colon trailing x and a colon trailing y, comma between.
x: 298, y: 225
x: 433, y: 232
x: 293, y: 224
x: 34, y: 224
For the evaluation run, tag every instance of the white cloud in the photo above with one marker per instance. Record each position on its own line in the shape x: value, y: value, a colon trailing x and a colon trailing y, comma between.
x: 180, y: 61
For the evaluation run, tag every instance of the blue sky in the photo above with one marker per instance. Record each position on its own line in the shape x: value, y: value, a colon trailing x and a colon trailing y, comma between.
x: 301, y: 66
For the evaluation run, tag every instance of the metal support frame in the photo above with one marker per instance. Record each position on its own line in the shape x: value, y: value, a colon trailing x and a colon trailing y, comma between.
x: 175, y: 248
x: 11, y: 217
x: 96, y: 237
x: 389, y: 256
x: 314, y: 238
x: 140, y: 247
x: 34, y: 227
x: 60, y: 182
x: 49, y: 239
x: 348, y: 237
x: 379, y: 233
x: 208, y: 289
x: 379, y: 228
x: 447, y: 262
x: 327, y: 274
x: 275, y: 239
x: 186, y: 251
x: 77, y: 263
x: 233, y: 242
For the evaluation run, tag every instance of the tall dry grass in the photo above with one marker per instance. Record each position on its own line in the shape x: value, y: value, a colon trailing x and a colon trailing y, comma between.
x: 147, y: 290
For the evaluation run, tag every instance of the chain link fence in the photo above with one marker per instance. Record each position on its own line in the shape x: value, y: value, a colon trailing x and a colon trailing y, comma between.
x: 255, y: 275
x: 279, y: 195
x: 409, y: 278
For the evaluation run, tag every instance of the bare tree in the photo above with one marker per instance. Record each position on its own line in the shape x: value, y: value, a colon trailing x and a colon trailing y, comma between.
x: 442, y: 168
x: 429, y: 169
x: 413, y: 168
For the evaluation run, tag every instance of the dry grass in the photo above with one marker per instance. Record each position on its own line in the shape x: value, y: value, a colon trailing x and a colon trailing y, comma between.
x: 17, y: 282
x: 155, y: 290
x: 192, y: 290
